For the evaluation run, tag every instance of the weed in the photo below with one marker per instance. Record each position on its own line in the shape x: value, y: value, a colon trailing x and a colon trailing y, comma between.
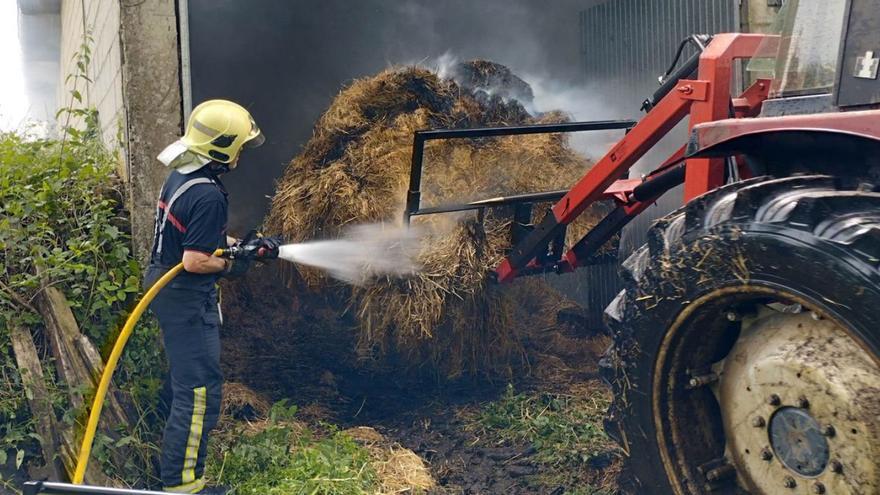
x: 565, y: 431
x: 285, y: 457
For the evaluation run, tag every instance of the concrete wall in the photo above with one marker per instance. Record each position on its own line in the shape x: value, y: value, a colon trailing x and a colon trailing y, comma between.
x: 104, y: 92
x: 153, y: 102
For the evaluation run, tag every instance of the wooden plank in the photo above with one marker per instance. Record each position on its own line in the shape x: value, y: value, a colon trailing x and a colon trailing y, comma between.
x: 32, y: 378
x: 80, y: 362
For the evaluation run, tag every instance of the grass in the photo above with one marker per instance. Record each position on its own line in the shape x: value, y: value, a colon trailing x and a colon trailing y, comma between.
x: 564, y: 429
x: 281, y: 456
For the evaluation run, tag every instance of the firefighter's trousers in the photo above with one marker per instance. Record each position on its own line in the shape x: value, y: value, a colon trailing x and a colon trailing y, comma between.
x: 190, y: 324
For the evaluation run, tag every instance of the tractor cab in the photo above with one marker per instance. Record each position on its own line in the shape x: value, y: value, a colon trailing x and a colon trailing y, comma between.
x: 828, y: 57
x: 824, y: 85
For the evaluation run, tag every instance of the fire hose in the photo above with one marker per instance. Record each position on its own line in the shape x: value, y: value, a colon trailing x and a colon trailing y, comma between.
x: 243, y: 251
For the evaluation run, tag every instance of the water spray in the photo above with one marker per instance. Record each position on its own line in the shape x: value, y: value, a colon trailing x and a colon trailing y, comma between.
x: 362, y: 253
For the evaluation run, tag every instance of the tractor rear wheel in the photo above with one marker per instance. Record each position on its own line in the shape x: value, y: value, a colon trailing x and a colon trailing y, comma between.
x: 747, y: 343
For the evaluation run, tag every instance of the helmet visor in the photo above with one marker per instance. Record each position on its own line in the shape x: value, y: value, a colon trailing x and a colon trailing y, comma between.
x: 256, y: 141
x: 255, y: 138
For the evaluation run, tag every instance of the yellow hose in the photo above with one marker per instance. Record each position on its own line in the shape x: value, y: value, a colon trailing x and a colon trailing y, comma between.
x: 85, y: 451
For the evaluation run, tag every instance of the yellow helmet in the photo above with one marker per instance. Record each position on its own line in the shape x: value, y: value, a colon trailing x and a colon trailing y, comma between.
x: 218, y: 129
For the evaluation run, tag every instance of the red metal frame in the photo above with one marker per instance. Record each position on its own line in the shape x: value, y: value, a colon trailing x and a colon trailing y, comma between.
x: 706, y: 99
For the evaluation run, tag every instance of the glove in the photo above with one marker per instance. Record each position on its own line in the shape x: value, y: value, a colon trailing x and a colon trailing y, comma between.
x: 255, y: 246
x: 268, y: 248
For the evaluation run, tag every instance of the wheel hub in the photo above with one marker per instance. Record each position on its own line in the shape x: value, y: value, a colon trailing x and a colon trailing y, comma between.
x: 800, y: 404
x: 797, y: 439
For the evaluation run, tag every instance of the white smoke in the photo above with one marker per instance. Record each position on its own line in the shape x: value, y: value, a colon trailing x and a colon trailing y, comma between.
x: 444, y: 65
x: 582, y: 103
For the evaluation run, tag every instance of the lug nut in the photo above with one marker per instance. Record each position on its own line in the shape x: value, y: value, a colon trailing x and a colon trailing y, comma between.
x: 836, y: 467
x: 720, y: 473
x: 758, y: 422
x: 829, y: 431
x: 815, y: 315
x: 774, y: 400
x: 789, y: 482
x: 733, y: 316
x: 702, y: 380
x: 818, y: 488
x: 803, y: 403
x: 766, y: 454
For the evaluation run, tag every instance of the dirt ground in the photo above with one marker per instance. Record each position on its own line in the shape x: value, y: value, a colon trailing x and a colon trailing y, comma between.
x: 461, y: 463
x: 287, y: 355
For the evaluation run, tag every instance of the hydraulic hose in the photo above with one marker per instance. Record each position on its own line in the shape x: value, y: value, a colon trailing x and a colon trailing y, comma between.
x: 85, y: 450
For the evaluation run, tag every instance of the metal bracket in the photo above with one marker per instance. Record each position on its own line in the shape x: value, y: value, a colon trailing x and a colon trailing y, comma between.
x: 693, y: 90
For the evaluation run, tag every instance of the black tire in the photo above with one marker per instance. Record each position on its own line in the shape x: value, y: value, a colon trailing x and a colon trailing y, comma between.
x: 814, y: 238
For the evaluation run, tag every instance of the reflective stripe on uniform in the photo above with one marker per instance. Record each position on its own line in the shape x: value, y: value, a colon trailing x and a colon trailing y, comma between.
x: 193, y: 487
x: 195, y: 435
x: 174, y: 221
x: 178, y: 193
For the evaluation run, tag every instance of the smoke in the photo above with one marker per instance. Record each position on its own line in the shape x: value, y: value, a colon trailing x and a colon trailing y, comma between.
x: 582, y: 102
x: 444, y: 65
x: 317, y: 46
x: 362, y: 253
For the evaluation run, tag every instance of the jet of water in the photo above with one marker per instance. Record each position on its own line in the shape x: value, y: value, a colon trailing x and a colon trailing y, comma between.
x: 362, y: 253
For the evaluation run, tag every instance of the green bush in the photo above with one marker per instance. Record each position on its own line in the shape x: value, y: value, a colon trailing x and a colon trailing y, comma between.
x: 62, y: 221
x: 285, y: 458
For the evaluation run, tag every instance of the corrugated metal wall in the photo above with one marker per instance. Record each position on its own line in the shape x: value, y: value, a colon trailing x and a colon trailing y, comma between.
x: 625, y: 46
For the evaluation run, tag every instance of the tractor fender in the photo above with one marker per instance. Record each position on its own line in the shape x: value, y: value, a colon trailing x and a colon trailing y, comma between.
x: 798, y: 143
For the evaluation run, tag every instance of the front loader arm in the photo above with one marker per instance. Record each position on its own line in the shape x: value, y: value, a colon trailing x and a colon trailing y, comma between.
x: 706, y: 99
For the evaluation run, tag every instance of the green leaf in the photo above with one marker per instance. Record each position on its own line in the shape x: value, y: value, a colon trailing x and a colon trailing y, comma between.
x: 19, y: 458
x: 76, y: 95
x: 3, y: 456
x: 122, y: 442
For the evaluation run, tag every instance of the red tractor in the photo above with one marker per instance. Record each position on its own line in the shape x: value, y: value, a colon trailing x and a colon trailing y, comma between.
x: 747, y: 338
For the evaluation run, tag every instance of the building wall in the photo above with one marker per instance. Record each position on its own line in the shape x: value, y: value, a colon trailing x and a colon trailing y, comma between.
x: 135, y: 87
x: 39, y: 24
x: 153, y: 105
x: 104, y: 92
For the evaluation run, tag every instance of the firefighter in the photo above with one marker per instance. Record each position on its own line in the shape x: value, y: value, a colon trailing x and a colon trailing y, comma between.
x: 191, y: 217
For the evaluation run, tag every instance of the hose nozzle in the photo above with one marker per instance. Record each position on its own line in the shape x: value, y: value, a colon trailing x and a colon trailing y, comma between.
x: 253, y: 248
x: 249, y: 253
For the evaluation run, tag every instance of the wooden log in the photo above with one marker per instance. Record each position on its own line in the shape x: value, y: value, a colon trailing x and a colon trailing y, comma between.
x: 79, y: 363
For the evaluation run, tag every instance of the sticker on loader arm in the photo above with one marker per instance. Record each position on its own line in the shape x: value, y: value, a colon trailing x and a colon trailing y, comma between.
x: 866, y: 67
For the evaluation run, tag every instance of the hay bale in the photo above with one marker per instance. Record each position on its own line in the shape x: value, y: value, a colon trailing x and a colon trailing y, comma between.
x: 447, y: 319
x: 494, y: 80
x: 241, y: 403
x: 398, y: 469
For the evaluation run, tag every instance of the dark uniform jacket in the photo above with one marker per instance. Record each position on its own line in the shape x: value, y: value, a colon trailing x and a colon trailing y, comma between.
x: 196, y: 205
